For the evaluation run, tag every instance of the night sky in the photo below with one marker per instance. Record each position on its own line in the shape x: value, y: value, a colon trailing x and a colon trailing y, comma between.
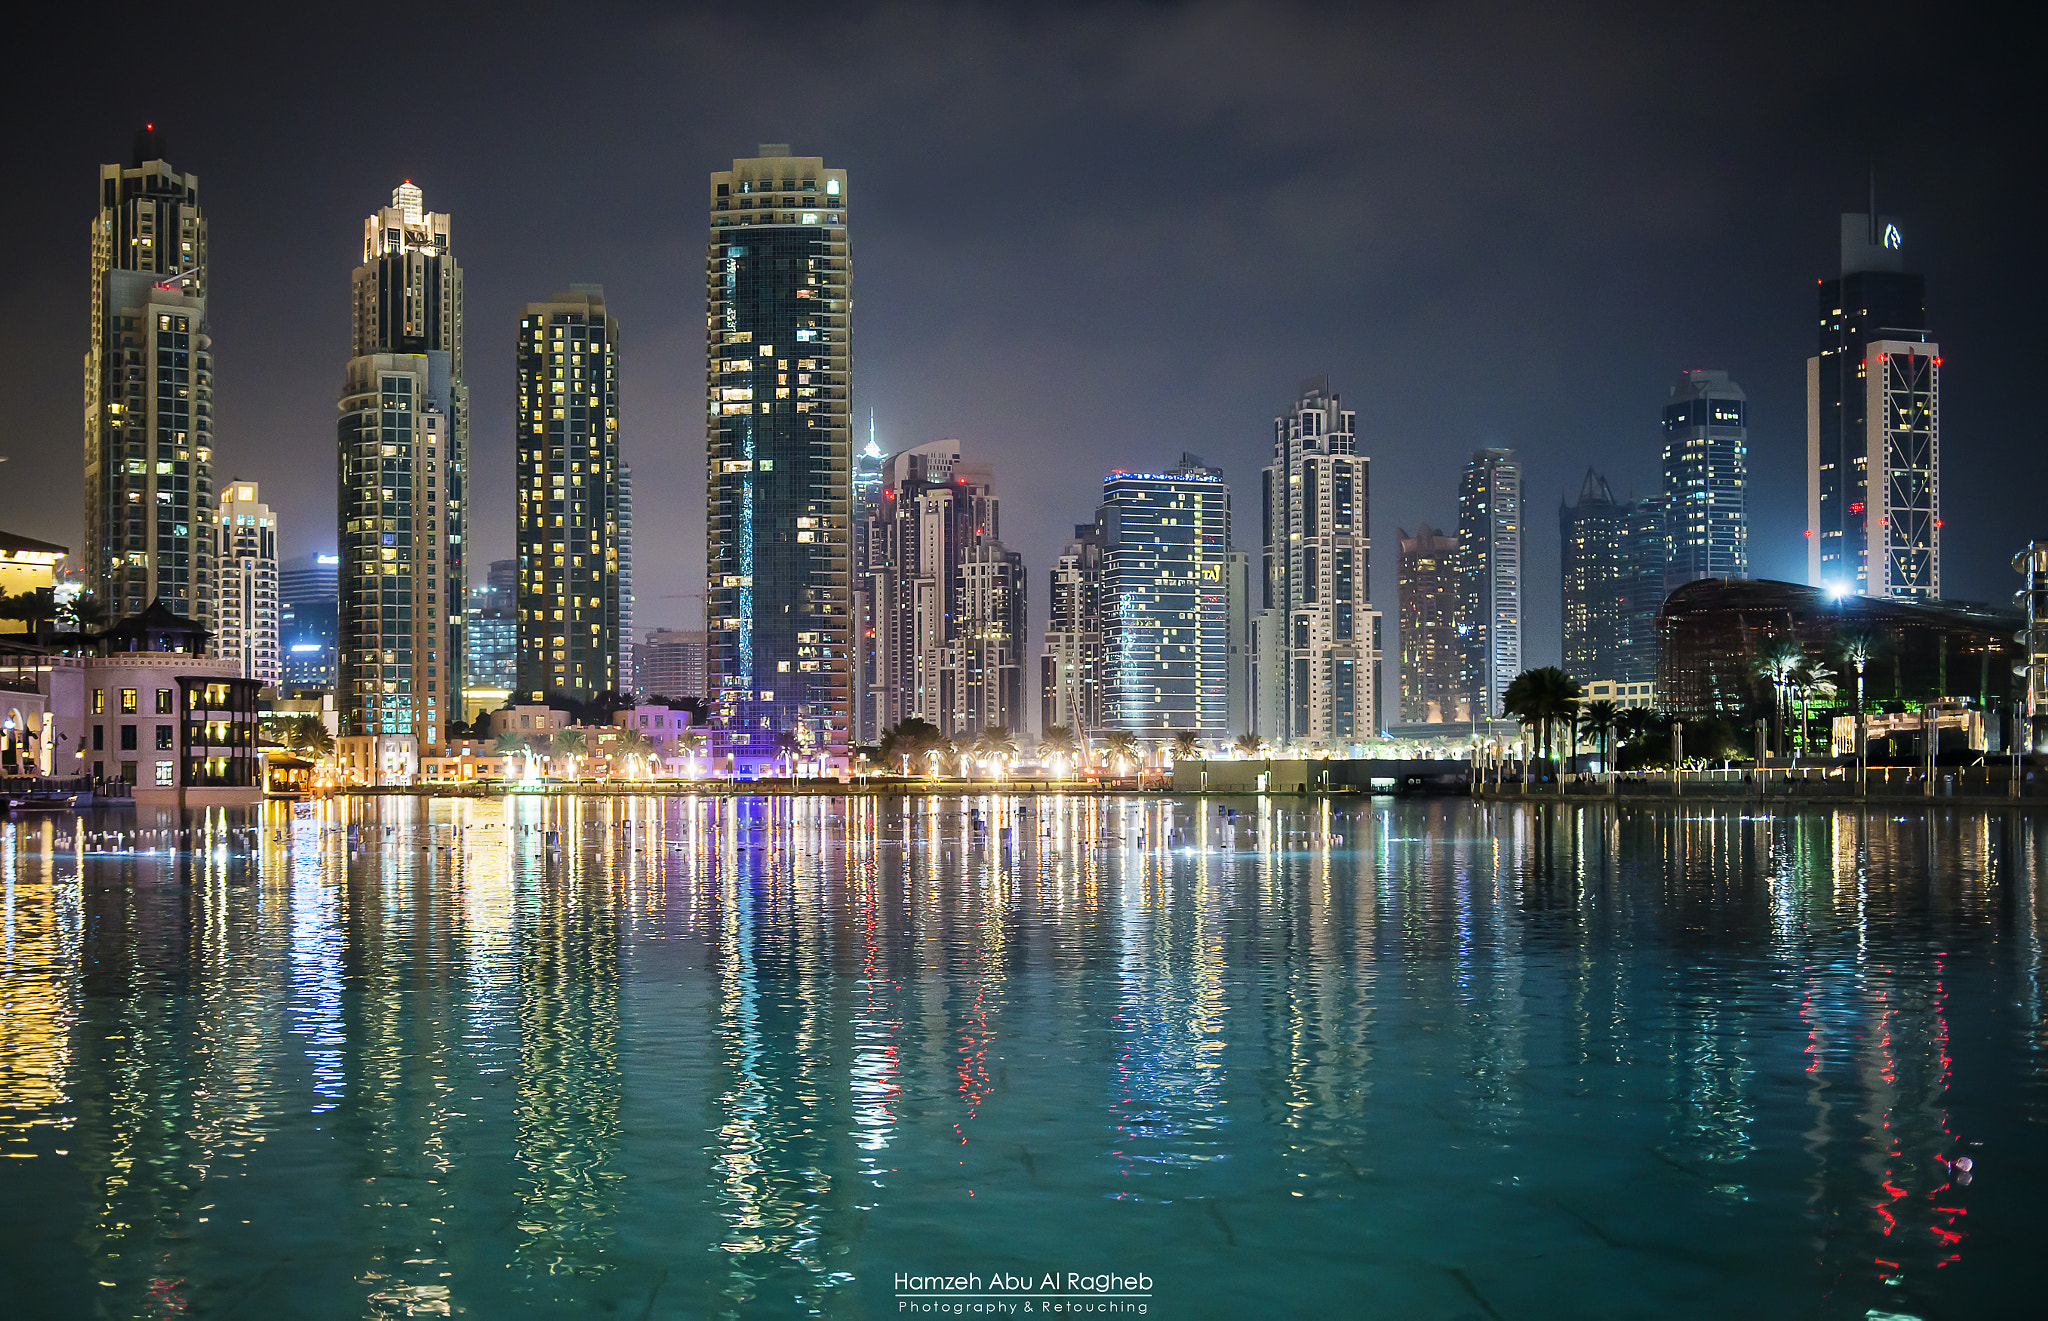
x: 1084, y: 237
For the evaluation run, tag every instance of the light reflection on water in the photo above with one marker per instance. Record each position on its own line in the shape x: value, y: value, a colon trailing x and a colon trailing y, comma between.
x: 756, y: 1056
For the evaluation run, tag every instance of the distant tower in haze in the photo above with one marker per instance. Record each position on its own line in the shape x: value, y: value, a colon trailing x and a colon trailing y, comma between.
x: 1490, y: 578
x: 868, y: 697
x: 570, y: 493
x: 1706, y: 479
x: 1318, y: 635
x: 246, y: 608
x: 628, y: 671
x: 1430, y: 655
x: 1070, y: 673
x: 779, y: 459
x: 404, y: 440
x: 1873, y: 425
x: 149, y: 393
x: 948, y: 596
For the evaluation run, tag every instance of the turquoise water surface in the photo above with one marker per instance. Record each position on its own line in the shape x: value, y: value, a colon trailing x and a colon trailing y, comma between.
x: 867, y: 1057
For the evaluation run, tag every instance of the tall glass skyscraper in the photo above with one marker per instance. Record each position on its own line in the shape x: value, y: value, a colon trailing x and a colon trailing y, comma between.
x: 570, y: 497
x: 1318, y: 639
x: 1706, y: 479
x: 404, y: 437
x: 1490, y: 577
x: 779, y: 448
x: 1164, y: 601
x: 149, y: 393
x: 1873, y: 424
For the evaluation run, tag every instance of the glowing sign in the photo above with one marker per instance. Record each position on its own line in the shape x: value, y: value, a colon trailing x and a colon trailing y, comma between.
x: 1891, y: 236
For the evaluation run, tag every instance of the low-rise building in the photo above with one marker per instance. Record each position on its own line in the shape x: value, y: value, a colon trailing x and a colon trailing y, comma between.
x: 1624, y: 695
x: 176, y: 724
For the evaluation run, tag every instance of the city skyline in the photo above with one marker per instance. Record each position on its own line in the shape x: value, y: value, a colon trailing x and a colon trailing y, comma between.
x: 1727, y: 283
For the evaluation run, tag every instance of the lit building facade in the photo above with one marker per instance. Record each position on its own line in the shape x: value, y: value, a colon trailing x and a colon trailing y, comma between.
x: 1164, y: 602
x: 672, y: 663
x: 307, y: 588
x: 627, y: 666
x: 866, y: 631
x: 246, y: 616
x: 1318, y: 640
x: 1490, y: 578
x: 948, y: 597
x: 778, y: 485
x: 1612, y: 559
x: 1427, y: 590
x: 1873, y: 425
x: 1706, y: 479
x: 569, y: 498
x: 149, y: 393
x: 1070, y: 670
x: 493, y: 640
x: 404, y: 439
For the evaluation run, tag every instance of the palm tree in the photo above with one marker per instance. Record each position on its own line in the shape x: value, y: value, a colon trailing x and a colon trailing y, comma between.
x: 570, y: 744
x: 935, y: 754
x: 1121, y: 745
x: 634, y: 745
x: 1539, y: 698
x: 33, y: 608
x: 1810, y: 679
x: 1856, y: 647
x: 1186, y: 746
x: 692, y: 746
x: 1249, y: 745
x: 1598, y: 719
x: 1058, y: 744
x: 509, y: 744
x: 83, y: 613
x: 1775, y: 662
x: 997, y: 744
x: 789, y: 745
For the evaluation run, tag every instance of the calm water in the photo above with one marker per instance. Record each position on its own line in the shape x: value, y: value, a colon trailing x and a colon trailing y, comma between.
x: 760, y: 1058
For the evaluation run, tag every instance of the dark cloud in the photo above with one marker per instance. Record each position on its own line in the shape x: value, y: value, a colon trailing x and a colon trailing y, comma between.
x: 1087, y: 237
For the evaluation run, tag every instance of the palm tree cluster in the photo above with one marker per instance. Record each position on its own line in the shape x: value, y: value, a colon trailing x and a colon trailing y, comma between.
x: 913, y: 741
x: 1540, y: 698
x: 1059, y: 744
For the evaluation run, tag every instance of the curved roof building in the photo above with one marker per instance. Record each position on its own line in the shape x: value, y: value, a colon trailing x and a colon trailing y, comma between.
x: 1710, y: 634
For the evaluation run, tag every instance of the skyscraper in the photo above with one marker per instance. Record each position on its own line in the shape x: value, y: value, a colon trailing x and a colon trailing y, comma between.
x: 1070, y: 671
x: 779, y: 450
x: 866, y: 631
x: 1318, y: 640
x: 1873, y: 424
x: 1613, y: 560
x: 1706, y: 478
x: 404, y: 439
x: 672, y: 663
x: 306, y: 592
x: 568, y: 497
x: 493, y: 640
x: 1430, y: 655
x: 1490, y: 578
x: 948, y: 596
x: 245, y: 608
x: 1163, y: 597
x: 149, y: 392
x: 627, y: 637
